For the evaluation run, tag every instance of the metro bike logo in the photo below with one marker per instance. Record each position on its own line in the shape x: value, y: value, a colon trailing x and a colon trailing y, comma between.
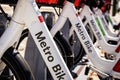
x: 57, y: 69
x: 86, y: 42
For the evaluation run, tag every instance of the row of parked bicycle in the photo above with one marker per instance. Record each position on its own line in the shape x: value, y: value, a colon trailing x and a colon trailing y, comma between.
x: 91, y: 32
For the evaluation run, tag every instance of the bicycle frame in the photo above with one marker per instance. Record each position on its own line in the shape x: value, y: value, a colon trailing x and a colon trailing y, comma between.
x: 111, y: 22
x: 100, y: 65
x: 105, y: 24
x: 33, y: 19
x: 94, y: 23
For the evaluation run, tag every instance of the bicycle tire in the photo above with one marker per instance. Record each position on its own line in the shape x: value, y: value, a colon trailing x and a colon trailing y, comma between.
x: 17, y: 65
x: 65, y: 49
x: 78, y: 54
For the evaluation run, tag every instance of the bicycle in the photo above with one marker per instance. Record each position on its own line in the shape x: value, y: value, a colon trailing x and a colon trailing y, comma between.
x: 109, y: 34
x: 108, y: 24
x: 13, y: 60
x: 95, y: 25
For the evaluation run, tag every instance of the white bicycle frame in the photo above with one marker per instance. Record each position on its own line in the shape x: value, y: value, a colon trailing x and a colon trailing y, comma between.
x: 91, y: 21
x: 111, y: 22
x: 27, y: 14
x: 105, y: 23
x: 104, y: 26
x: 100, y: 65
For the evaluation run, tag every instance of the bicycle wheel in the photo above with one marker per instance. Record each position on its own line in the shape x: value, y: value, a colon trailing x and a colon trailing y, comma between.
x: 17, y: 65
x: 65, y: 49
x: 77, y: 48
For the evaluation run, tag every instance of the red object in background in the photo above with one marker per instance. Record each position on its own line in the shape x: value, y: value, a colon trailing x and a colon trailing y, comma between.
x: 48, y: 1
x: 117, y: 66
x: 76, y: 2
x: 106, y: 6
x: 118, y: 49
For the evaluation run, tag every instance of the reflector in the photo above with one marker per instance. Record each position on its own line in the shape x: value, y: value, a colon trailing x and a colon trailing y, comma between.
x: 117, y: 66
x: 118, y: 49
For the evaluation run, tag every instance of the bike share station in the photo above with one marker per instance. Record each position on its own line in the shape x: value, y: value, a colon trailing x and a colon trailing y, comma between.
x: 37, y: 65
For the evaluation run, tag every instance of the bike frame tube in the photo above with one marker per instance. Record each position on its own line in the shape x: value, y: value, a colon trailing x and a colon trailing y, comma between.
x: 100, y: 63
x: 107, y: 36
x: 59, y: 23
x: 105, y: 24
x: 86, y: 12
x: 112, y: 22
x: 10, y: 36
x: 33, y: 19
